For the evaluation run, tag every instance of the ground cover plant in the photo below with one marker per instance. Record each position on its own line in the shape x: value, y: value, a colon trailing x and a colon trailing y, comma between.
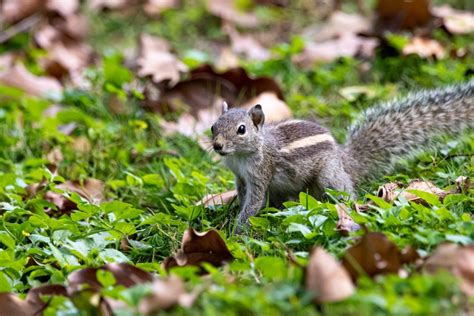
x: 111, y: 201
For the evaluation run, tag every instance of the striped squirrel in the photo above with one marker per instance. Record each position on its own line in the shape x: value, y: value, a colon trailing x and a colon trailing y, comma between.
x: 280, y: 160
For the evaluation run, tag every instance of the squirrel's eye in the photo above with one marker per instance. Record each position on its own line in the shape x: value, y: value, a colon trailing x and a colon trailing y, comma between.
x: 241, y: 129
x: 212, y: 129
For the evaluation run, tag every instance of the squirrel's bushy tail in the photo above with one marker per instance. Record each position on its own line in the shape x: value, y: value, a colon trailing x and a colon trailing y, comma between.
x: 400, y: 127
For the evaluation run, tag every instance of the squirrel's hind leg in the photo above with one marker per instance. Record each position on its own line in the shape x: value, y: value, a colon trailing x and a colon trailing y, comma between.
x: 333, y: 176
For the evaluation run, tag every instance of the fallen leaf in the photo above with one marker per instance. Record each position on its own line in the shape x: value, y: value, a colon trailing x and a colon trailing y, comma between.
x: 205, y: 86
x: 64, y: 8
x: 63, y: 57
x: 227, y: 59
x: 156, y: 60
x: 55, y: 156
x: 463, y: 184
x: 108, y: 4
x: 275, y: 109
x: 81, y: 144
x: 90, y: 189
x: 345, y: 224
x: 245, y: 45
x: 459, y: 260
x: 34, y: 295
x: 15, y: 10
x: 10, y: 304
x: 125, y: 274
x: 424, y: 47
x: 402, y: 14
x: 338, y: 24
x: 455, y: 21
x: 155, y: 7
x: 218, y: 199
x: 374, y: 254
x: 166, y: 294
x: 226, y: 10
x: 409, y: 255
x: 19, y: 77
x: 197, y: 248
x: 326, y: 278
x: 348, y: 44
x: 390, y: 191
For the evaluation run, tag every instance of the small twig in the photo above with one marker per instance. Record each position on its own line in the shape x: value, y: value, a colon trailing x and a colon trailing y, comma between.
x: 20, y: 27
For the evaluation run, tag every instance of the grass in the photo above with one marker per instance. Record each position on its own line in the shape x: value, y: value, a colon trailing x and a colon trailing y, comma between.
x: 154, y: 181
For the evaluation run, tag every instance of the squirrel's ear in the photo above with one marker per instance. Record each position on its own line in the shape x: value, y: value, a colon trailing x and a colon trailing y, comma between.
x: 225, y: 107
x: 256, y: 113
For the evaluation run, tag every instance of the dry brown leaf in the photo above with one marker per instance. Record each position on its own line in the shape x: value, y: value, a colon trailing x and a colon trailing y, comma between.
x: 345, y: 224
x: 109, y: 4
x: 455, y: 21
x: 166, y: 294
x: 65, y: 57
x: 205, y: 86
x: 125, y: 274
x: 15, y: 10
x: 401, y: 14
x: 46, y: 35
x: 390, y: 191
x: 326, y: 278
x: 197, y: 248
x: 75, y: 26
x: 274, y: 108
x: 424, y: 47
x: 226, y: 10
x: 6, y: 61
x: 90, y: 189
x: 338, y: 24
x: 463, y: 184
x: 10, y: 304
x: 81, y: 144
x: 348, y: 44
x: 19, y: 77
x: 64, y: 8
x: 200, y: 98
x: 55, y: 156
x: 73, y: 57
x: 155, y: 7
x: 156, y: 60
x: 374, y: 254
x: 218, y: 199
x: 227, y: 59
x: 459, y: 260
x: 34, y: 295
x: 245, y: 45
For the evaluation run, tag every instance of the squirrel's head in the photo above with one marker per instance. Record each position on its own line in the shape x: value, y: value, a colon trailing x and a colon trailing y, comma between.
x: 237, y: 131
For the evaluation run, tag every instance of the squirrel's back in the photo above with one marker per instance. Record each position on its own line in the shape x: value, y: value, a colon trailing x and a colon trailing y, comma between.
x: 394, y: 129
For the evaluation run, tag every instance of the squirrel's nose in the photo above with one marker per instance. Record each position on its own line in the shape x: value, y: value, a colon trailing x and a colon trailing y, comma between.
x: 217, y: 146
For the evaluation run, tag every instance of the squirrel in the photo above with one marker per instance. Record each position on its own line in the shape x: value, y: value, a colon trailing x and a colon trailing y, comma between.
x: 281, y: 160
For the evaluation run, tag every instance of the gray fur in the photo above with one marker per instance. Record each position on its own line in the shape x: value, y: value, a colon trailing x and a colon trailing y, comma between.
x: 281, y: 160
x: 400, y: 127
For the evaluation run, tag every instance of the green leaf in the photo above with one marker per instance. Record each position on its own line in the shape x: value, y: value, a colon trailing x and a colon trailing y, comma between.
x: 5, y: 285
x: 272, y: 268
x: 106, y: 278
x: 7, y: 240
x: 429, y: 197
x: 380, y: 202
x: 153, y: 179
